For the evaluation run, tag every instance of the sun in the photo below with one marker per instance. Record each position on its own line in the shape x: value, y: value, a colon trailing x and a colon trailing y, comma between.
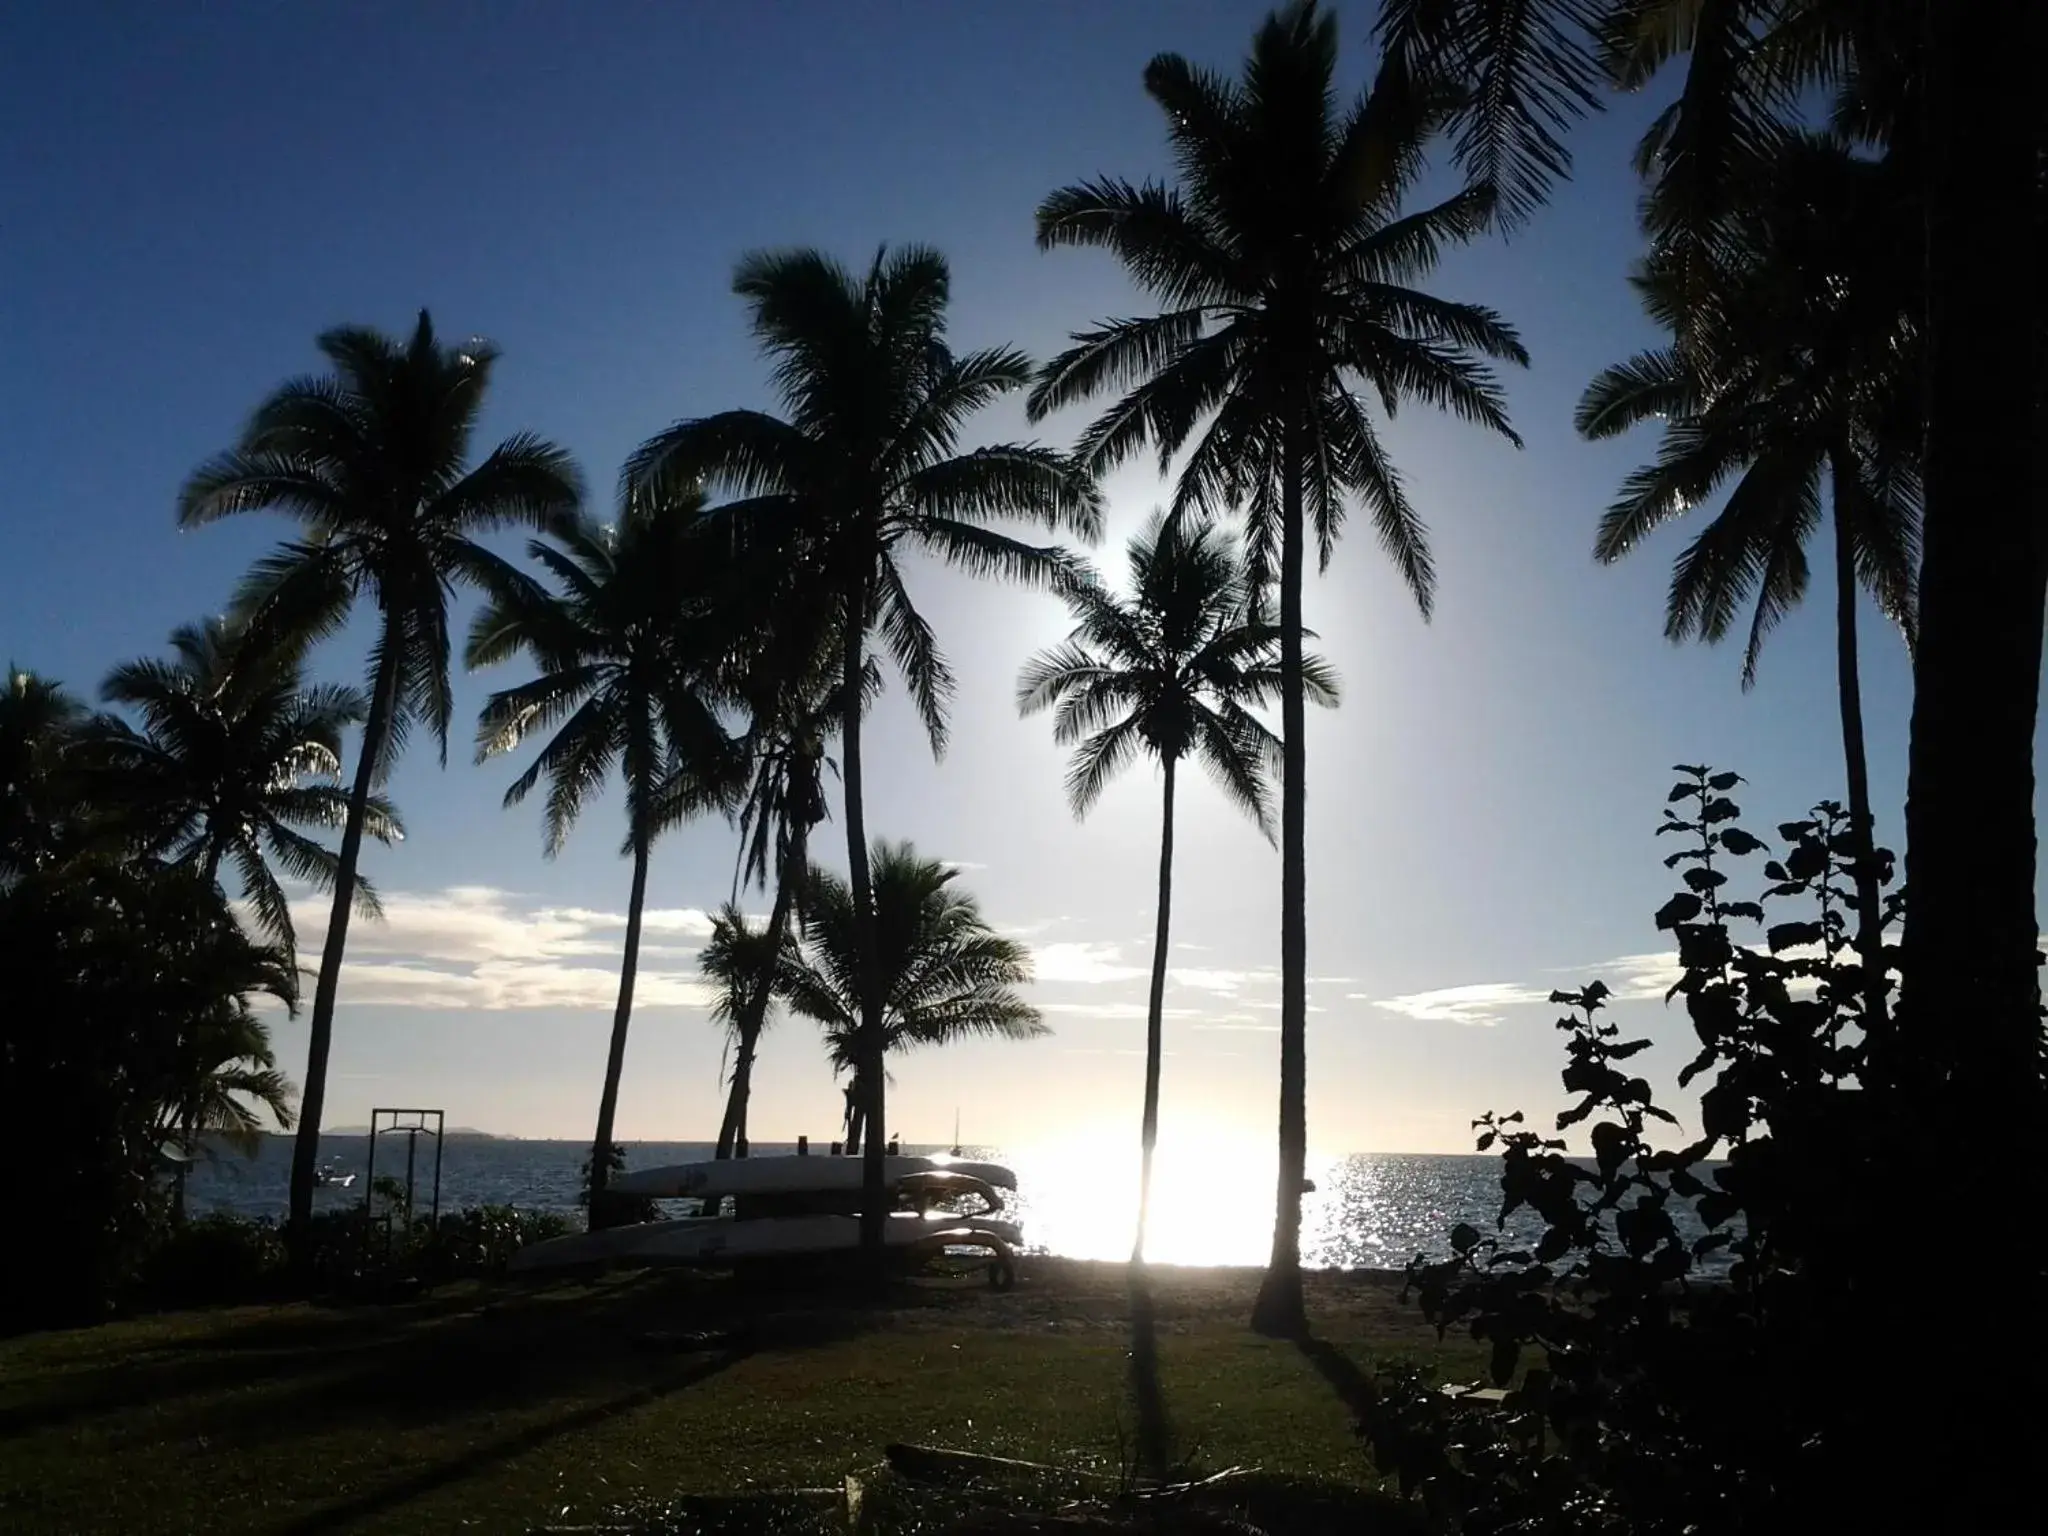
x: 1212, y: 1194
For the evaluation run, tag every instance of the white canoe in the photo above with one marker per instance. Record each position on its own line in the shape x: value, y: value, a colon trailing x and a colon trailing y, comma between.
x: 721, y: 1240
x: 790, y: 1175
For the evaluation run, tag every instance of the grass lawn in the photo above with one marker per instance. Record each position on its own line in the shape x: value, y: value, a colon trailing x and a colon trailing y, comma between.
x: 506, y: 1407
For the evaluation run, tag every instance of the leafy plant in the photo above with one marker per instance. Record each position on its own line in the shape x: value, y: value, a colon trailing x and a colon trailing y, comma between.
x: 1684, y: 1326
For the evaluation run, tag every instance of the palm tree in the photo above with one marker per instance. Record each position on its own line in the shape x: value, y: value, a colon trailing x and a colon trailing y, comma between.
x: 864, y: 467
x: 1943, y: 95
x: 38, y: 800
x: 941, y: 974
x: 1806, y: 371
x: 370, y: 459
x: 743, y: 961
x: 219, y: 771
x: 628, y: 651
x: 794, y: 712
x: 1169, y: 671
x: 1282, y: 261
x: 229, y: 1077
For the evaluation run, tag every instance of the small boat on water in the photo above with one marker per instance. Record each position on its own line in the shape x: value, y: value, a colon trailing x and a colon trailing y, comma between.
x: 331, y: 1177
x: 798, y: 1207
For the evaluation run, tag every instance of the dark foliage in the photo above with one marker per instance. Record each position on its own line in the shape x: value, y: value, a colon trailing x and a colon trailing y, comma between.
x: 121, y: 979
x: 220, y: 1259
x: 1652, y: 1390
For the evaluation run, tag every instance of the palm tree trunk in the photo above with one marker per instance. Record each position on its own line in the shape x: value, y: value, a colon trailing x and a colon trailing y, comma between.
x: 869, y: 1075
x: 1971, y: 932
x: 313, y: 1097
x: 1279, y: 1310
x: 1968, y: 1017
x: 214, y: 849
x: 1155, y: 1015
x: 734, y: 1131
x: 615, y: 1060
x: 1869, y: 894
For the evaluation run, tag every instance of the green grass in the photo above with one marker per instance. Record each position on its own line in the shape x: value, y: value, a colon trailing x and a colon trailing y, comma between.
x: 504, y: 1408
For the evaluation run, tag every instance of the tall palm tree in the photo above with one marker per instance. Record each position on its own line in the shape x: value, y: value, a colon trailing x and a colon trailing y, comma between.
x: 1172, y: 671
x: 1282, y: 259
x: 629, y: 650
x: 865, y: 467
x: 743, y: 961
x: 1807, y: 372
x: 1945, y: 95
x: 940, y: 972
x: 230, y: 737
x: 372, y: 459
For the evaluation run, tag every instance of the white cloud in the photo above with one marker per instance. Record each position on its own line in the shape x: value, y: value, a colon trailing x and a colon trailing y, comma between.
x: 1111, y: 1011
x: 1081, y: 963
x: 1479, y: 1004
x: 1245, y: 1027
x: 1637, y: 977
x: 1224, y: 982
x: 469, y: 946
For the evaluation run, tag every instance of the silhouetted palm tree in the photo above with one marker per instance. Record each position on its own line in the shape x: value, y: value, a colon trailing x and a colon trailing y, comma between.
x: 743, y: 960
x: 1942, y: 94
x: 219, y: 771
x: 629, y: 650
x: 1172, y: 671
x: 1282, y: 259
x: 943, y: 974
x: 794, y: 708
x: 866, y: 466
x: 38, y: 803
x: 371, y: 459
x: 228, y: 1078
x: 1807, y: 371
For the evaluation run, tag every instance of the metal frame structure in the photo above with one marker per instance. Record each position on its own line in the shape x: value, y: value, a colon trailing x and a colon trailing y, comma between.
x: 412, y: 1124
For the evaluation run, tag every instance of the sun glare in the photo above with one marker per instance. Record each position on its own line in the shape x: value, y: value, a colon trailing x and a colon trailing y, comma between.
x: 1212, y: 1195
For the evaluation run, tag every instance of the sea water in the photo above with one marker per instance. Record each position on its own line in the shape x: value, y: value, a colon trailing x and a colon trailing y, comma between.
x: 1367, y: 1211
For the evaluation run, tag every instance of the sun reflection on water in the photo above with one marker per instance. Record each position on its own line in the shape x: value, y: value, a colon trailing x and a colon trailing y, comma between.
x: 1212, y: 1197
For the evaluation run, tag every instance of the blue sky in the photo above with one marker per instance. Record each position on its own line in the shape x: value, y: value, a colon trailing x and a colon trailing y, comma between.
x: 192, y: 194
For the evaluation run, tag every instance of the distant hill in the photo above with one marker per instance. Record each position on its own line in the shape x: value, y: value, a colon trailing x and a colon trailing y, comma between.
x: 466, y: 1132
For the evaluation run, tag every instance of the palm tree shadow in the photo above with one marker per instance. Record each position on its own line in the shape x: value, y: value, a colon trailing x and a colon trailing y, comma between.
x: 342, y: 1516
x: 1148, y: 1399
x: 1351, y: 1382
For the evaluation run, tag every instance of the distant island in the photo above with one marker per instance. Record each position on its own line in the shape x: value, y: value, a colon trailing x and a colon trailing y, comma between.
x: 465, y: 1132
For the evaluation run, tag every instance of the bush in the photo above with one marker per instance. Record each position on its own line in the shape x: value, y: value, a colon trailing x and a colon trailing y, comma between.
x: 1653, y: 1392
x: 480, y: 1240
x: 216, y: 1259
x: 223, y: 1260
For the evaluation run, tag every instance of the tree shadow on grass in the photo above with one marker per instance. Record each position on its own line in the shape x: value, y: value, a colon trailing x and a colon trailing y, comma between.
x: 377, y: 1501
x: 1148, y: 1399
x: 1350, y: 1381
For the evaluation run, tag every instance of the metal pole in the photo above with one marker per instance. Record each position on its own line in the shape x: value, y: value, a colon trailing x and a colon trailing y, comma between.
x: 412, y: 1137
x: 440, y: 1138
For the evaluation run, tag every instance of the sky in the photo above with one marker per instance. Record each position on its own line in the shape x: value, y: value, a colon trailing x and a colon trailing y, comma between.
x: 191, y: 194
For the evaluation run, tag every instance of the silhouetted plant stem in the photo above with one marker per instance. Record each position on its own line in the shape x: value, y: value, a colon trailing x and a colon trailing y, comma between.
x: 313, y: 1096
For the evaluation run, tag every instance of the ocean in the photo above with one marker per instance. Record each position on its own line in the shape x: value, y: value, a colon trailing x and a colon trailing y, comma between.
x: 1368, y: 1210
